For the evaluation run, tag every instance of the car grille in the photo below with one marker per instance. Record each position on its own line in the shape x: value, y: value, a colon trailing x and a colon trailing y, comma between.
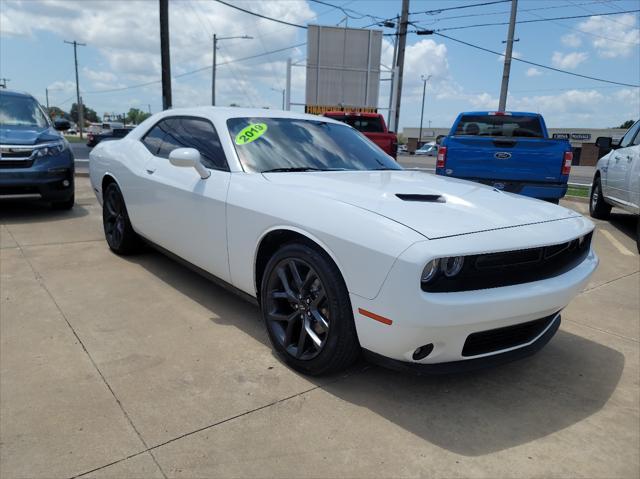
x: 499, y: 339
x: 16, y: 157
x: 513, y: 267
x: 4, y: 164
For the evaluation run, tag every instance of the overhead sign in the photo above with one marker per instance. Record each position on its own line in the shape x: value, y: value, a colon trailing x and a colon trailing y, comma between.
x: 343, y: 69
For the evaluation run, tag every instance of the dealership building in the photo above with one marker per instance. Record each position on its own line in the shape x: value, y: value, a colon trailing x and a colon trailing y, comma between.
x: 582, y: 140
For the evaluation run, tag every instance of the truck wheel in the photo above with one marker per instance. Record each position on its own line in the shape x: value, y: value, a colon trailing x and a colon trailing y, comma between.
x: 598, y: 207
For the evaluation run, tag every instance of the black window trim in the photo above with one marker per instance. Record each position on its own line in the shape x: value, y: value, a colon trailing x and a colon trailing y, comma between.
x: 189, y: 117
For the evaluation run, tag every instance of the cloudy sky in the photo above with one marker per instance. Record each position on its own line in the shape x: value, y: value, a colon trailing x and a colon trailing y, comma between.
x: 123, y: 51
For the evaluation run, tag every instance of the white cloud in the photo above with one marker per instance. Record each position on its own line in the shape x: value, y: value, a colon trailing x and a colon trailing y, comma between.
x: 533, y: 72
x: 125, y: 34
x: 578, y: 108
x: 568, y: 61
x: 571, y: 40
x: 614, y: 37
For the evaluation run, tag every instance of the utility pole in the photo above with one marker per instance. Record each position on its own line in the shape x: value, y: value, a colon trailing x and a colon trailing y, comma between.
x: 165, y: 58
x: 149, y: 106
x: 213, y: 70
x: 78, y: 99
x: 391, y: 116
x: 402, y: 41
x: 216, y: 39
x: 424, y: 91
x: 287, y: 102
x: 507, y: 57
x: 46, y: 92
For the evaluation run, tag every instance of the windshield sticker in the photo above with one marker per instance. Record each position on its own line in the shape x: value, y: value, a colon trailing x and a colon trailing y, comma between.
x: 251, y: 133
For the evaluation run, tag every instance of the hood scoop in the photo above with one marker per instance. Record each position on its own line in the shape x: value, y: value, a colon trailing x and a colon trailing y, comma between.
x: 422, y: 198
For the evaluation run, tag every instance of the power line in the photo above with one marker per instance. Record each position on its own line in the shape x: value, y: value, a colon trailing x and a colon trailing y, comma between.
x: 547, y: 67
x: 198, y: 70
x: 529, y: 21
x: 261, y: 16
x: 459, y: 7
x: 359, y: 15
x: 506, y: 12
x: 582, y: 32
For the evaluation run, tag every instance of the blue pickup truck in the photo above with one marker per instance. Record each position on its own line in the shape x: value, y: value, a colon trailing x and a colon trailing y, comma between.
x: 510, y: 151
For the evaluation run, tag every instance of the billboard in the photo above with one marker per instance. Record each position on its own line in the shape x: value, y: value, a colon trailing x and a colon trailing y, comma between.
x: 343, y: 69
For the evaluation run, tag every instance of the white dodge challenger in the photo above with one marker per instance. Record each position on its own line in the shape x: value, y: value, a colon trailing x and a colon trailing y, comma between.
x: 344, y: 251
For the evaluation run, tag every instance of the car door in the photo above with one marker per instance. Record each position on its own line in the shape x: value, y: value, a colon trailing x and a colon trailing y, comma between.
x: 618, y: 175
x: 633, y: 176
x: 182, y: 212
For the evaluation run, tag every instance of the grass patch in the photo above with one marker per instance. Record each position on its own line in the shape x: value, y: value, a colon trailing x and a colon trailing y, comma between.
x: 579, y: 191
x: 75, y: 139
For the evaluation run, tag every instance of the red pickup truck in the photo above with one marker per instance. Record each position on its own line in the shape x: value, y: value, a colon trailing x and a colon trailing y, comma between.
x: 371, y: 125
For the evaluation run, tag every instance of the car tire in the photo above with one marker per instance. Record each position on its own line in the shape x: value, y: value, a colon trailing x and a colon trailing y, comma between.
x: 119, y: 233
x: 64, y: 205
x: 598, y: 207
x: 307, y: 311
x: 555, y: 201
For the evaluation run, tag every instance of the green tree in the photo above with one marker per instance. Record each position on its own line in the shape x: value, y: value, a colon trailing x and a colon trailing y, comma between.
x: 627, y: 124
x: 89, y: 114
x: 137, y: 116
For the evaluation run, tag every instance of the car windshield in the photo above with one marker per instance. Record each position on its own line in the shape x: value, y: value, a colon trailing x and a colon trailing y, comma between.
x: 21, y: 111
x: 499, y: 125
x: 290, y: 144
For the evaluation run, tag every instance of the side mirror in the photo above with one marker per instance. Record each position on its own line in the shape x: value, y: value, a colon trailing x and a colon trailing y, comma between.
x: 439, y: 139
x: 189, y: 158
x: 61, y: 124
x: 604, y: 142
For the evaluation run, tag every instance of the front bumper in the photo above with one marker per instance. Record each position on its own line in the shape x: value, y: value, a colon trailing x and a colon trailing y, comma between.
x: 55, y: 185
x: 446, y: 320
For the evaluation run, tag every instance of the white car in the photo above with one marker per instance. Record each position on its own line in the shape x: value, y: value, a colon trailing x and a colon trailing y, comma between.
x: 428, y: 149
x: 344, y: 250
x: 617, y: 178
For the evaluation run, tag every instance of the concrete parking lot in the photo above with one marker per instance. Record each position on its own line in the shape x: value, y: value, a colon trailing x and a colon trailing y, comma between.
x: 133, y: 367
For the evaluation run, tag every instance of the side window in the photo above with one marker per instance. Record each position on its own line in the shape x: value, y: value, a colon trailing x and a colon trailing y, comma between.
x: 195, y: 133
x: 153, y: 139
x: 627, y: 139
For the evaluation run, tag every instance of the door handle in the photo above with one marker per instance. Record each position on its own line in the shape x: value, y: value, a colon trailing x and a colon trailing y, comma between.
x: 151, y: 172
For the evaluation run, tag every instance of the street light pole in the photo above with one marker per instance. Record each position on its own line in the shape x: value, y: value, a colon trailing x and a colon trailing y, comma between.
x: 216, y: 39
x: 424, y: 91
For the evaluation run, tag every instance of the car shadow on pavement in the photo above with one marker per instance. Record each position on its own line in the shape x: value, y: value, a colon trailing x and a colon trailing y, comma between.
x: 470, y: 414
x: 12, y: 212
x: 625, y: 223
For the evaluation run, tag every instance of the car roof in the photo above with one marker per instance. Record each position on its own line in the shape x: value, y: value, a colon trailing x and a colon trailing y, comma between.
x: 224, y: 113
x: 15, y: 93
x: 492, y: 112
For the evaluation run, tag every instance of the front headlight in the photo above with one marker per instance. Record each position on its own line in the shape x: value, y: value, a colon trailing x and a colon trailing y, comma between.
x: 51, y: 149
x: 450, y: 267
x: 430, y: 271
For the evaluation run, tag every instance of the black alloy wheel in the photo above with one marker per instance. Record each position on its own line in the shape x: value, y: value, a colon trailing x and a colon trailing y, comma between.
x: 117, y: 228
x: 298, y: 314
x: 307, y: 311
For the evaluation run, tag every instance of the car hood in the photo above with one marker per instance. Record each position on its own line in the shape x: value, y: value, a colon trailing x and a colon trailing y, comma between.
x: 26, y: 135
x: 437, y: 207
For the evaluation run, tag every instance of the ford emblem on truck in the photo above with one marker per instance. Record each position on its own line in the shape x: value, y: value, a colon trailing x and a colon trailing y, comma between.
x: 502, y: 155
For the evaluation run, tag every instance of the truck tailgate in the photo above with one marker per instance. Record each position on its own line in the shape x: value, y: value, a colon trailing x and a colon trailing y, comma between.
x: 383, y: 140
x: 522, y: 159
